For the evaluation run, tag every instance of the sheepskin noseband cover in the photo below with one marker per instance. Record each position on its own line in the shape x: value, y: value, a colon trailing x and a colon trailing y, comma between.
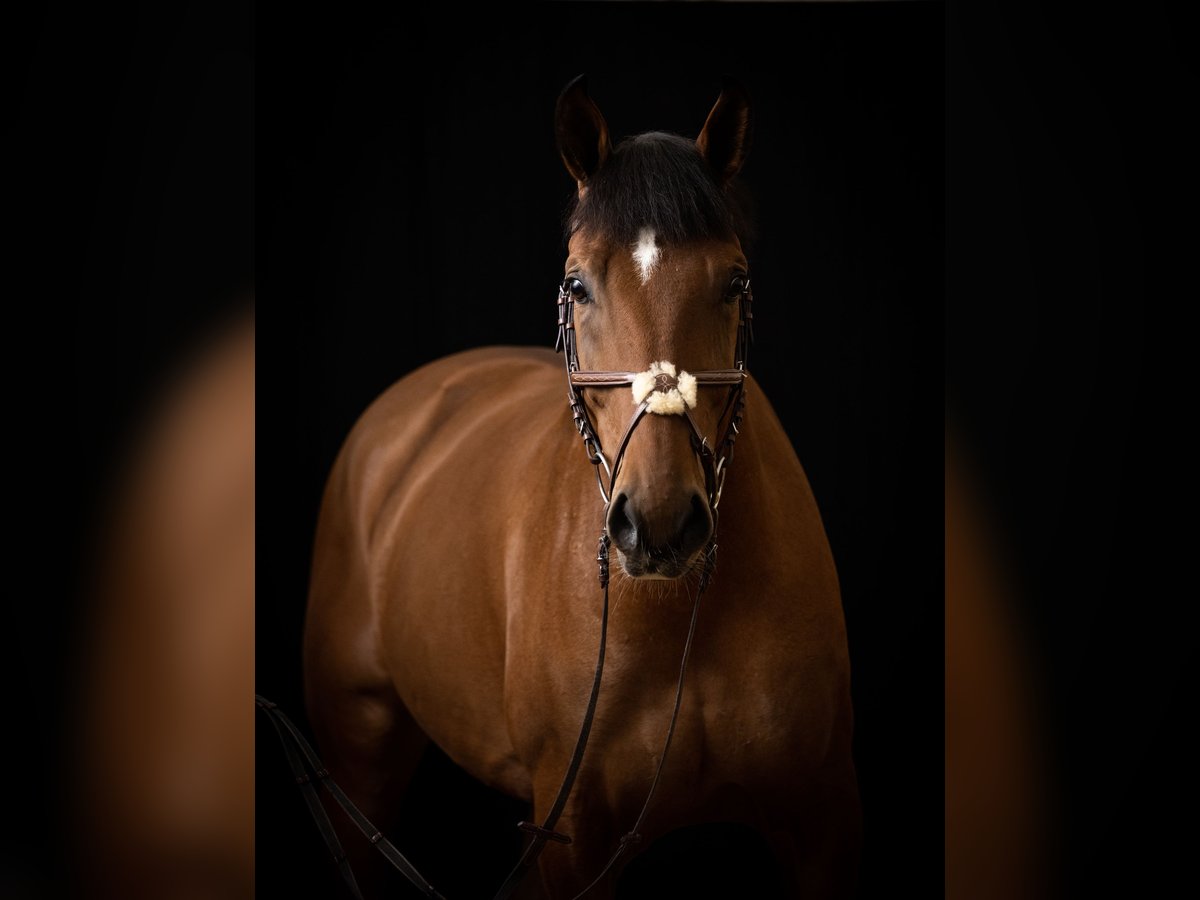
x: 665, y: 392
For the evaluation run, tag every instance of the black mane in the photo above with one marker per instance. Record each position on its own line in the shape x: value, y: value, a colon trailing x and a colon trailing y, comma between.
x: 659, y: 181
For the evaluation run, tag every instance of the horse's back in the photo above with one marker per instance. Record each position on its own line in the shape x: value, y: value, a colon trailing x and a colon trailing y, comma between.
x: 457, y: 396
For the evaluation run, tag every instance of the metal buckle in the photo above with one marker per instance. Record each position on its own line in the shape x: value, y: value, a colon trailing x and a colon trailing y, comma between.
x: 719, y: 474
x: 597, y: 461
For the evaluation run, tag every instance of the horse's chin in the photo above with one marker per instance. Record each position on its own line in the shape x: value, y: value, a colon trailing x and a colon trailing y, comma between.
x: 646, y: 569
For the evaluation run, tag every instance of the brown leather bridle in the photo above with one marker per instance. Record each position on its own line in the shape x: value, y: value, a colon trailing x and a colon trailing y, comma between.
x: 714, y: 462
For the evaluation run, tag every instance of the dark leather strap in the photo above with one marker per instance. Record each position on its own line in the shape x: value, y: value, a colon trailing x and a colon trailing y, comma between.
x: 294, y: 741
x: 305, y: 782
x: 621, y: 379
x: 634, y: 835
x: 545, y: 832
x: 638, y: 413
x: 705, y: 453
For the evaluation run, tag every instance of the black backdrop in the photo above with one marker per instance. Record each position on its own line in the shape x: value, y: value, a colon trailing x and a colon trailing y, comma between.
x: 413, y: 208
x: 1069, y: 272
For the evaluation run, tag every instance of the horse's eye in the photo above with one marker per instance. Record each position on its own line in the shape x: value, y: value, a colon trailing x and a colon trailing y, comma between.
x: 738, y: 285
x: 578, y: 292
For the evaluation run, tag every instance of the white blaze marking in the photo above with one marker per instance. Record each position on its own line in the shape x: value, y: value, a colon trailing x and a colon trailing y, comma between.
x: 646, y: 253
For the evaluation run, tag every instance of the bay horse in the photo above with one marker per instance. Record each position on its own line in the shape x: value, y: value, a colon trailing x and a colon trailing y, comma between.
x: 453, y: 594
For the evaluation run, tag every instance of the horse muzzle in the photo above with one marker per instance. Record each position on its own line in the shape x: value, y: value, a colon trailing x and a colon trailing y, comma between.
x: 663, y: 540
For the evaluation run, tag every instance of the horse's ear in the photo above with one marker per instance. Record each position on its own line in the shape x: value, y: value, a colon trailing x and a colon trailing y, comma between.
x: 725, y: 139
x: 581, y: 131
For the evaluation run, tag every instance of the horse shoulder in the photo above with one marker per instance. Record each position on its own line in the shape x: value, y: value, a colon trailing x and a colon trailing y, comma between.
x: 382, y: 455
x: 408, y: 572
x: 777, y: 696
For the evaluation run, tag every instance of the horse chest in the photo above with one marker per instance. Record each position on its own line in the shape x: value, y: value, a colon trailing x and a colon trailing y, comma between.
x: 742, y: 738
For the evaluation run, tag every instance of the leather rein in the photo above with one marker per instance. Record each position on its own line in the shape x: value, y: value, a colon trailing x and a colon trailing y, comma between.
x: 307, y: 767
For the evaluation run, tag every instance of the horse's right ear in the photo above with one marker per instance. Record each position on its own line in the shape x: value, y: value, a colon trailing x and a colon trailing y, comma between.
x: 581, y: 131
x: 725, y: 139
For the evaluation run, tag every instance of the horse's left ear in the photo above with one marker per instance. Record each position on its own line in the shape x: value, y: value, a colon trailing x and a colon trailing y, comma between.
x: 581, y: 131
x: 725, y: 139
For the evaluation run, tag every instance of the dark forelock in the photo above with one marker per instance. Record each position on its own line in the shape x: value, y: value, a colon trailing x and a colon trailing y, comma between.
x: 658, y: 181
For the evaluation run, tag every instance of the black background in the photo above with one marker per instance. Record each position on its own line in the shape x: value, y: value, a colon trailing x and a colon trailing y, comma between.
x: 1069, y: 273
x: 129, y: 196
x: 1072, y: 191
x: 413, y: 207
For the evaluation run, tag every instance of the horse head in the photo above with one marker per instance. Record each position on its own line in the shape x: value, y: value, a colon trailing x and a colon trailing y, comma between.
x: 656, y: 276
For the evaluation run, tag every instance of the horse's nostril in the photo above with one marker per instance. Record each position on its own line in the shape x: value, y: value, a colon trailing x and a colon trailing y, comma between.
x: 695, y: 527
x: 621, y: 526
x: 675, y: 537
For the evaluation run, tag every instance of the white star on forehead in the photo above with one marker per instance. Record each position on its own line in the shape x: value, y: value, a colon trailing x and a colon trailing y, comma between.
x: 646, y: 253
